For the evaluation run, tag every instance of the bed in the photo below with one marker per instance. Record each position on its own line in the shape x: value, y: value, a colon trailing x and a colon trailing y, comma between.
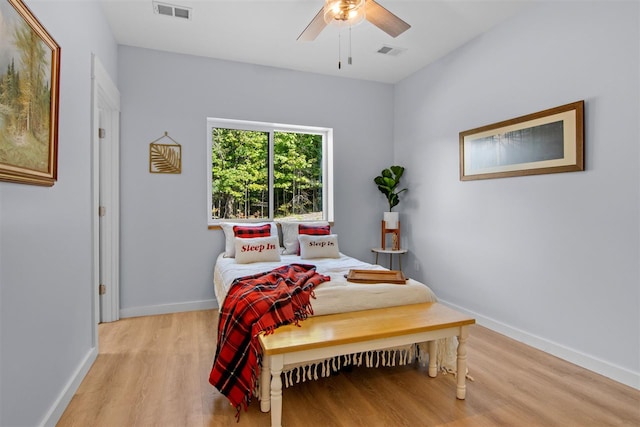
x: 335, y: 295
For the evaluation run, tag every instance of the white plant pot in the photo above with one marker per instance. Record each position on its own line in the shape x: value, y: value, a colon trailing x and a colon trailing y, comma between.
x: 391, y: 219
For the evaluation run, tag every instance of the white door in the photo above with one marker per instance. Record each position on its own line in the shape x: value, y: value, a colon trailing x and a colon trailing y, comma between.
x: 105, y: 208
x: 102, y: 242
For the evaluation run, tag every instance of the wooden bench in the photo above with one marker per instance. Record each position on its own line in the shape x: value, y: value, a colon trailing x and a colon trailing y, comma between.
x: 333, y: 335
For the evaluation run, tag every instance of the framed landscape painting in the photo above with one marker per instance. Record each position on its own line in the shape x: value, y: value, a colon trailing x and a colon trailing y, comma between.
x: 548, y: 141
x: 29, y: 85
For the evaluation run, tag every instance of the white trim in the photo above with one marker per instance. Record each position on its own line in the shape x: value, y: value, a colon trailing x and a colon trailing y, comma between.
x: 327, y: 159
x: 328, y: 174
x: 105, y: 97
x: 57, y: 409
x: 599, y: 366
x: 151, y: 310
x: 109, y: 90
x: 95, y: 228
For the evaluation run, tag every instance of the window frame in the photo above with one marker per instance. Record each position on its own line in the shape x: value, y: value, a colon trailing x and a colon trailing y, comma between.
x: 271, y: 128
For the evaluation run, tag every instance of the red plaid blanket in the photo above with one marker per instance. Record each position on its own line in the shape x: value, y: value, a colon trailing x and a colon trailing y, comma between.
x: 257, y: 303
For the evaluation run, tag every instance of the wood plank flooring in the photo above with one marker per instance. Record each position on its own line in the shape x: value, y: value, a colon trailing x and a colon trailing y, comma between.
x: 153, y: 371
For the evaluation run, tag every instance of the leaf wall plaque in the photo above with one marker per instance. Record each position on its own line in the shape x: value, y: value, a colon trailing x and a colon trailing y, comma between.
x: 165, y: 158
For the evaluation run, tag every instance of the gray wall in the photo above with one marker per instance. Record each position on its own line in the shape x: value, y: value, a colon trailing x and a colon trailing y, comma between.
x: 550, y: 259
x: 46, y: 320
x: 168, y: 253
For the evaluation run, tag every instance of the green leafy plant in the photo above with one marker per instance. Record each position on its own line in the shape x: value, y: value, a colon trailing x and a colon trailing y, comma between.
x: 388, y: 182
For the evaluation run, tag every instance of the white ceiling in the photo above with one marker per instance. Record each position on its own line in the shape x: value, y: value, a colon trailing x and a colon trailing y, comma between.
x: 264, y: 32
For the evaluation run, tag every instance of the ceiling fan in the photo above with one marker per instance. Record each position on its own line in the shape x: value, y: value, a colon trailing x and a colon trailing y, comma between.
x: 351, y: 12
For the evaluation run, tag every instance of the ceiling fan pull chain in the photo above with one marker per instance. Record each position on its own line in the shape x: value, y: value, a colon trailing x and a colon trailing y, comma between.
x: 349, y: 60
x: 339, y: 51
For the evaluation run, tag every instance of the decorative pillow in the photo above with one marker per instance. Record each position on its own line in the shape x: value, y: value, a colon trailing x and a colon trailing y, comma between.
x: 313, y: 230
x: 290, y: 234
x: 319, y: 246
x: 229, y: 235
x: 252, y: 231
x: 257, y: 249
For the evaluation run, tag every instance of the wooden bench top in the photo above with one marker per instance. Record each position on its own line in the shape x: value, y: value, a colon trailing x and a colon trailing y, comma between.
x: 366, y: 325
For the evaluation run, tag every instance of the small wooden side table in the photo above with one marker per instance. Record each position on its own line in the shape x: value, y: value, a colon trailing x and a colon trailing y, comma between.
x: 391, y: 253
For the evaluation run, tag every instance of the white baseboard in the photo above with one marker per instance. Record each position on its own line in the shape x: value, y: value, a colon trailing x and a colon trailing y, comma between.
x: 150, y: 310
x: 609, y: 370
x: 57, y: 409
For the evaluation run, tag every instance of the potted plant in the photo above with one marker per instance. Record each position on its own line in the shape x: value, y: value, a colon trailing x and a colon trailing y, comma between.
x: 387, y: 183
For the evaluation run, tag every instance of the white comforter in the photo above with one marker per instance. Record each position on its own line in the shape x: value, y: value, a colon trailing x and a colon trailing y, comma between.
x: 335, y: 296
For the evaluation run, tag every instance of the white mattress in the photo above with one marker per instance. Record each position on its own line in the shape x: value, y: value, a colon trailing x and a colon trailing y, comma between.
x: 336, y: 295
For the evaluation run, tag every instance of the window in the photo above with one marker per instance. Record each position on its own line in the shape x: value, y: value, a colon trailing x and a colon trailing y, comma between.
x: 263, y: 171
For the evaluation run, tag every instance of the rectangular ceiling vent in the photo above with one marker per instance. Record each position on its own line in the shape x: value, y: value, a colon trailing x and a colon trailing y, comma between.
x: 172, y: 10
x: 390, y: 50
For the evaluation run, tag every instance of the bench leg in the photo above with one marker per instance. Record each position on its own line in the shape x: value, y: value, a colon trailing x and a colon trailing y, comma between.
x: 461, y: 388
x: 277, y: 362
x: 433, y: 354
x: 265, y: 384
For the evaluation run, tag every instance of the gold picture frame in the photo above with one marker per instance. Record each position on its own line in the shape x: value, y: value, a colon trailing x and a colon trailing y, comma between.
x: 29, y: 98
x: 548, y: 141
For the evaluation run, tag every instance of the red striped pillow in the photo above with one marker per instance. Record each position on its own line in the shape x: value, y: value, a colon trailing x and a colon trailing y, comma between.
x: 313, y: 230
x: 251, y: 231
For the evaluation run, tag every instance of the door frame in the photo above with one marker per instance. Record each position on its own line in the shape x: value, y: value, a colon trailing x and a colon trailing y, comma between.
x: 106, y: 103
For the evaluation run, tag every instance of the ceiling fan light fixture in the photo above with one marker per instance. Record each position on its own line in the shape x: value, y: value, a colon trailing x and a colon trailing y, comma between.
x: 347, y: 13
x: 344, y: 12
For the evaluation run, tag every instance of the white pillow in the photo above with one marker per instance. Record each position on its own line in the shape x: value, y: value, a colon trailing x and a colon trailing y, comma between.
x: 229, y: 236
x: 257, y: 249
x: 319, y: 246
x: 290, y: 234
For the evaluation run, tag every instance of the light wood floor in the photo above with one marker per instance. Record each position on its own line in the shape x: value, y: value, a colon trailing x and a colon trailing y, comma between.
x: 153, y: 371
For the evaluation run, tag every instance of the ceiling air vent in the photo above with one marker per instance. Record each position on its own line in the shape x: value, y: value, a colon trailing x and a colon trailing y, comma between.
x: 171, y: 10
x: 390, y: 50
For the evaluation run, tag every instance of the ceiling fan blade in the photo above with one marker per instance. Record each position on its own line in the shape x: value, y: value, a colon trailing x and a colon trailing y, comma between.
x: 383, y: 19
x: 314, y: 28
